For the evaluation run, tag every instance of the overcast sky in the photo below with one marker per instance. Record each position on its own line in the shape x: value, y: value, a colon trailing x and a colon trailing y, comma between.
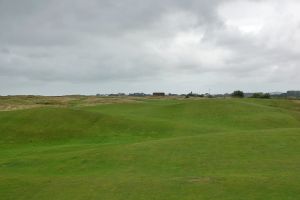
x: 55, y: 47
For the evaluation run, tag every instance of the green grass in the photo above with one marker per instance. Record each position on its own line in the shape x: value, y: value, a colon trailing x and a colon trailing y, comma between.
x: 153, y: 149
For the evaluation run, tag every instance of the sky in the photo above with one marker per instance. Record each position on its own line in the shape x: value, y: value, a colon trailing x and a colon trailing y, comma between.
x: 59, y: 47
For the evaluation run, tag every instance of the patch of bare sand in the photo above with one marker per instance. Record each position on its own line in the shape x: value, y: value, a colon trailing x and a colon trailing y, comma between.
x: 17, y: 107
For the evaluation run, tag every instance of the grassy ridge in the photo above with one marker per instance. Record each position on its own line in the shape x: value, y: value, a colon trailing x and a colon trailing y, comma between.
x: 157, y: 149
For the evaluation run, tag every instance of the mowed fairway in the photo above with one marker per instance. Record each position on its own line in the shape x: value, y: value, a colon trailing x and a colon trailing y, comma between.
x: 220, y: 149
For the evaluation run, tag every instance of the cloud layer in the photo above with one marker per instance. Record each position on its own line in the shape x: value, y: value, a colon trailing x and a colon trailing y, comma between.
x: 74, y: 46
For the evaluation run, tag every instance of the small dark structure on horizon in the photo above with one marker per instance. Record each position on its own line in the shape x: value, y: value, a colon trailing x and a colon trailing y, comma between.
x: 293, y: 93
x: 138, y: 94
x: 159, y: 94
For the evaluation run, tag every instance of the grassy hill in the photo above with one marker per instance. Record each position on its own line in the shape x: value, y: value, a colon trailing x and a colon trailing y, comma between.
x: 152, y: 149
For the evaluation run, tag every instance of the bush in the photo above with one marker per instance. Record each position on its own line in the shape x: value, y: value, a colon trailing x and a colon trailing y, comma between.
x: 266, y: 96
x: 238, y: 94
x: 257, y: 95
x: 261, y: 95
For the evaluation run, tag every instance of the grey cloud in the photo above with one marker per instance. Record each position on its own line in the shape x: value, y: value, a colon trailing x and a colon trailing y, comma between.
x: 118, y: 44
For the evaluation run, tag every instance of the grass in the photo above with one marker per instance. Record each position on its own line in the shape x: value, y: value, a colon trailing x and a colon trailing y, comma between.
x: 152, y: 149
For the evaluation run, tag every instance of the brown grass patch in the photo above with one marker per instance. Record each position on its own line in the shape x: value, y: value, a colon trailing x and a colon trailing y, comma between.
x: 9, y: 103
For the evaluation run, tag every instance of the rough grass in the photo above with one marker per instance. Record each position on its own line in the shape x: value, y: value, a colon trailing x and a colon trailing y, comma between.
x: 153, y: 149
x: 21, y: 102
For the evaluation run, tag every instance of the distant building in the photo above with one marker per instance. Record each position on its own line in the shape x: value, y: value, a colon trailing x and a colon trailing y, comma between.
x: 117, y: 95
x: 161, y: 94
x: 138, y: 94
x: 293, y: 94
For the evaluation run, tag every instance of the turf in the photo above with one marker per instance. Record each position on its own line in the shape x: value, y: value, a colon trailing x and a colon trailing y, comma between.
x: 153, y: 149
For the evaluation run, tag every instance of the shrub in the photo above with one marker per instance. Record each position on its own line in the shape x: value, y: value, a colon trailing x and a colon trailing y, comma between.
x: 238, y: 94
x: 266, y: 96
x: 261, y: 95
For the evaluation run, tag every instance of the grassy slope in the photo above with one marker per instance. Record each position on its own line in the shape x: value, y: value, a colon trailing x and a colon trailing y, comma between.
x: 159, y: 149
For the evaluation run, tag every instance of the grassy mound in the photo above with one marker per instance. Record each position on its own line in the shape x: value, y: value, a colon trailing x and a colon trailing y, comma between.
x: 157, y: 149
